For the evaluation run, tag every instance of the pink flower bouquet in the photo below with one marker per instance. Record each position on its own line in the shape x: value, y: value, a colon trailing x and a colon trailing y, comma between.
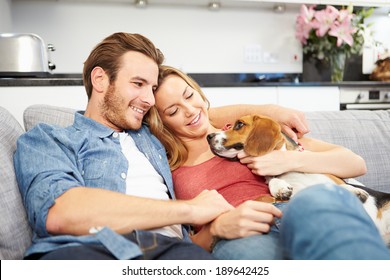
x: 331, y: 35
x: 328, y: 31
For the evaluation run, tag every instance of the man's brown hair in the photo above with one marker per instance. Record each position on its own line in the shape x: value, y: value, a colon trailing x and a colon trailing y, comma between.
x: 108, y: 53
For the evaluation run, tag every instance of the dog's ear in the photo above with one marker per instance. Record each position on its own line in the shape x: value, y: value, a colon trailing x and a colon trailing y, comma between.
x: 264, y: 136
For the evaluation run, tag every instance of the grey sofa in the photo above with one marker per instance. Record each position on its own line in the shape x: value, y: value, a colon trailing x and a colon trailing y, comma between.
x: 365, y: 132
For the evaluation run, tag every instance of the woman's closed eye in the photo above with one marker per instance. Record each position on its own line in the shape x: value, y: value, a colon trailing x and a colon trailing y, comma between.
x: 172, y: 111
x: 189, y: 95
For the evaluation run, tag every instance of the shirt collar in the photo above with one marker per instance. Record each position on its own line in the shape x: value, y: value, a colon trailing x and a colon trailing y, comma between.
x: 82, y: 122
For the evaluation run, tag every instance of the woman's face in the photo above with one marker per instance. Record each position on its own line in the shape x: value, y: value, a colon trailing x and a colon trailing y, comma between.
x: 182, y: 108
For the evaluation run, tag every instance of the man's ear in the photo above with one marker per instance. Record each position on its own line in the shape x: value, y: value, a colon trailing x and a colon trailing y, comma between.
x: 99, y: 79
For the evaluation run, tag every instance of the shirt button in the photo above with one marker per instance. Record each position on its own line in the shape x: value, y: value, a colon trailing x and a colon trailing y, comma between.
x: 139, y: 135
x: 123, y: 175
x: 160, y: 156
x: 115, y: 135
x: 82, y: 172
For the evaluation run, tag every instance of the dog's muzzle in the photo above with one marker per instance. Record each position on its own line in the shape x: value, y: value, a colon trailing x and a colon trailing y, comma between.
x: 217, y: 141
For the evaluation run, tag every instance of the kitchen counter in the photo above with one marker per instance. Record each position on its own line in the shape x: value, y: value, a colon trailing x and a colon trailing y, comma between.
x: 344, y: 84
x: 205, y: 80
x: 45, y: 80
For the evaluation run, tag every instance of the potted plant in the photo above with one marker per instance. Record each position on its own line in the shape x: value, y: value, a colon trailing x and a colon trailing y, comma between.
x: 330, y: 35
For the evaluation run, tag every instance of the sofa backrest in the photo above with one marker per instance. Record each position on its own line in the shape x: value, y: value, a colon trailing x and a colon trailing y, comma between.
x: 38, y: 113
x: 15, y: 232
x: 366, y: 133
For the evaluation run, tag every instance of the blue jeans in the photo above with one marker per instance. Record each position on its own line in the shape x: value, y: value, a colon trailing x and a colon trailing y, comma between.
x: 329, y: 223
x: 320, y: 222
x: 255, y: 247
x: 154, y: 246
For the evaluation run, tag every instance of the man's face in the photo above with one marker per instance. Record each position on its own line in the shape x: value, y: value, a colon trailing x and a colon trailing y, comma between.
x: 132, y: 94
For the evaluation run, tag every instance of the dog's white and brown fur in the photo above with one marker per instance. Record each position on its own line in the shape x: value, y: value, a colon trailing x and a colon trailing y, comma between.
x: 258, y: 135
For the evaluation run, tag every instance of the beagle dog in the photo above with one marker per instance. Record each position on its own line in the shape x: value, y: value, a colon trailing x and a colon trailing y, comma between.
x: 258, y: 135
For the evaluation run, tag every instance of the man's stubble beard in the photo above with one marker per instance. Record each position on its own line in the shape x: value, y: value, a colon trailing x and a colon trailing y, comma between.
x: 114, y: 111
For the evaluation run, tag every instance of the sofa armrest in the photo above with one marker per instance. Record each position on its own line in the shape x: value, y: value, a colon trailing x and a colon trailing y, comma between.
x: 15, y: 232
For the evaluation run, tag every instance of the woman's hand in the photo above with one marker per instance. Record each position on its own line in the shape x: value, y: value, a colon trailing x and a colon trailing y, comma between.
x: 318, y: 157
x: 271, y: 164
x: 250, y: 218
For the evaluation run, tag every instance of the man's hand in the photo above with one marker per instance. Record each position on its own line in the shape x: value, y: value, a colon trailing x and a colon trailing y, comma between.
x: 208, y: 205
x: 293, y: 122
x: 250, y: 218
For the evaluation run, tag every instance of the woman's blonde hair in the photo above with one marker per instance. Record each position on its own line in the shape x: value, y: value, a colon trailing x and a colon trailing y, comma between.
x: 176, y: 151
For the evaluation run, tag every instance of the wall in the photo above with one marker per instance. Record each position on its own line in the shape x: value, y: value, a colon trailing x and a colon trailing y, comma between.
x: 380, y: 21
x: 5, y: 16
x: 192, y: 38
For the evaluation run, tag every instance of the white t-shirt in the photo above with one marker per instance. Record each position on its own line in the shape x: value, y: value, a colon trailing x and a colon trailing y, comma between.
x: 144, y: 181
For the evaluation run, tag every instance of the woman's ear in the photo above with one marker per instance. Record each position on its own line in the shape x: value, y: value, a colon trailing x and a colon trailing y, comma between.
x: 99, y: 79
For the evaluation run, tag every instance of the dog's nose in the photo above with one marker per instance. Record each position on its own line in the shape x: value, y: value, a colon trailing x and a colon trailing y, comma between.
x: 210, y: 137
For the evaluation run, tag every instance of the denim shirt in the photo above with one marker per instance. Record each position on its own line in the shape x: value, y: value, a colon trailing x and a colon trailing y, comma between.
x: 49, y: 160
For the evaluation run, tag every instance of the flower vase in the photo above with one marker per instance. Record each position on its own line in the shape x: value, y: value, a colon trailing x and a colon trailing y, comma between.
x: 337, y: 65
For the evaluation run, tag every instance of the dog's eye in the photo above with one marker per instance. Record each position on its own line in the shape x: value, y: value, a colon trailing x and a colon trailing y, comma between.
x: 238, y: 125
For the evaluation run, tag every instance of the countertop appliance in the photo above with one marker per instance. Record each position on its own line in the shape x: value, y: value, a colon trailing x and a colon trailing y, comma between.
x: 24, y: 54
x: 372, y: 98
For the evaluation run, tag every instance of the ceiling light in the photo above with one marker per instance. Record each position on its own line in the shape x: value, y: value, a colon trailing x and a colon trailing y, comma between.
x: 214, y: 6
x: 141, y: 3
x: 279, y: 8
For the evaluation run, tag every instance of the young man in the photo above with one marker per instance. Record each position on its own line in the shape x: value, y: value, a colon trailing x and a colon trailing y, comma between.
x: 102, y: 188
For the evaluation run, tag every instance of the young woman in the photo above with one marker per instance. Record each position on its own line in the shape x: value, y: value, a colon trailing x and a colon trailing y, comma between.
x: 250, y: 231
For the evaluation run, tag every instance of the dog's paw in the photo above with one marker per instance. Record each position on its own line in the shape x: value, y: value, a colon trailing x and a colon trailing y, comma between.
x: 386, y: 239
x: 280, y: 189
x: 360, y: 193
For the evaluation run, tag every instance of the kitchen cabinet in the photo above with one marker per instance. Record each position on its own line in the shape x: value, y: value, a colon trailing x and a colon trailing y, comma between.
x: 17, y: 99
x: 305, y: 98
x: 220, y: 96
x: 297, y: 97
x: 310, y: 98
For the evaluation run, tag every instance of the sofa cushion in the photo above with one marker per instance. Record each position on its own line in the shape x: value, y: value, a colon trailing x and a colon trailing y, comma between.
x: 366, y: 133
x: 35, y: 114
x: 15, y: 232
